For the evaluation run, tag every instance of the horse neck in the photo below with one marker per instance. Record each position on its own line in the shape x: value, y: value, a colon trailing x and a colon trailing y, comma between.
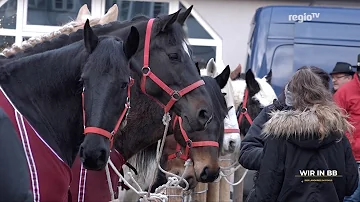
x: 45, y: 89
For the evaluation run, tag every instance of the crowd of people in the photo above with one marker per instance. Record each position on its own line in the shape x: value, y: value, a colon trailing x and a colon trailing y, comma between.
x: 312, y: 127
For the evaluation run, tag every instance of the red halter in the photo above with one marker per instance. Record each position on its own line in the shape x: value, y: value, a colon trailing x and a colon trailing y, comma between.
x: 189, y: 144
x: 147, y: 73
x: 244, y: 109
x: 102, y: 132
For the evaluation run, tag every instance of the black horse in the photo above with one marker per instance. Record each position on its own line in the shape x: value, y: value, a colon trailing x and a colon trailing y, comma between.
x: 54, y: 89
x: 170, y: 62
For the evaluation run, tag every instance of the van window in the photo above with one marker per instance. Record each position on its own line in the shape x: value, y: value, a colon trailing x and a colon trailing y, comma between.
x: 324, y: 56
x: 282, y: 67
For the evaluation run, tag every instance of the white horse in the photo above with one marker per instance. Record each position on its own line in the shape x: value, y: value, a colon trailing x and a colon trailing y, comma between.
x: 260, y: 95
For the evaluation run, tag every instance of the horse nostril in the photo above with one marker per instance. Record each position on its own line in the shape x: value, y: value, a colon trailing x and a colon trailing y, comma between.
x: 232, y: 145
x: 202, y: 114
x: 204, y: 117
x: 102, y: 156
x: 204, y: 174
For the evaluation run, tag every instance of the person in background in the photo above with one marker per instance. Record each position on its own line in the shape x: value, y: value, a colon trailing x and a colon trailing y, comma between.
x: 348, y: 98
x: 341, y: 74
x: 309, y: 136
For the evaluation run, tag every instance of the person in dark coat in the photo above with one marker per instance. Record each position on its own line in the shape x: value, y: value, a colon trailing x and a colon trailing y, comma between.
x: 14, y: 176
x: 309, y: 136
x: 253, y: 143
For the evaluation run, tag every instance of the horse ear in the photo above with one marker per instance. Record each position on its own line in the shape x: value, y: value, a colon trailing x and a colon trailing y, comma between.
x: 197, y: 67
x: 90, y: 39
x: 223, y: 78
x: 211, y: 67
x: 269, y: 76
x: 131, y: 45
x: 251, y: 83
x: 83, y: 11
x: 110, y: 16
x: 169, y: 20
x: 184, y: 15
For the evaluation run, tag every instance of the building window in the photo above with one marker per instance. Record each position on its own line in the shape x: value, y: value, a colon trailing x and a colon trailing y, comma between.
x: 193, y: 27
x: 130, y: 9
x: 55, y: 12
x: 8, y: 14
x: 6, y: 41
x: 202, y: 54
x: 202, y: 42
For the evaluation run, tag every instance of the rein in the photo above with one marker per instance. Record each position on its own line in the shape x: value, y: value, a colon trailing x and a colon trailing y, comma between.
x: 147, y: 73
x: 243, y: 111
x: 123, y: 115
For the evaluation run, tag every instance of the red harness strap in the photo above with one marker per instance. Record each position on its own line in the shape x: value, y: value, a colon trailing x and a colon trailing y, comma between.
x: 189, y: 144
x: 244, y: 109
x: 147, y: 73
x: 105, y: 133
x: 232, y: 130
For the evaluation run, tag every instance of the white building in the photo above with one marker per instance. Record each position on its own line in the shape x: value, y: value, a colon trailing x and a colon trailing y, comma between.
x: 217, y: 28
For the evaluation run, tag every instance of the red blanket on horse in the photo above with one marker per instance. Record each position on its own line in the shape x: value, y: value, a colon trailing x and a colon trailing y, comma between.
x: 92, y: 186
x: 50, y: 177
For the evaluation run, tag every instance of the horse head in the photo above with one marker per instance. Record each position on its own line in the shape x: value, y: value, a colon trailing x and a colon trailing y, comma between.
x: 166, y: 72
x: 106, y: 82
x: 232, y: 139
x: 173, y: 162
x: 199, y: 153
x: 251, y: 96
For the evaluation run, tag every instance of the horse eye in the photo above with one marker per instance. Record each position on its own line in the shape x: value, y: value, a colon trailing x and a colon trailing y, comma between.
x: 124, y: 84
x: 173, y: 56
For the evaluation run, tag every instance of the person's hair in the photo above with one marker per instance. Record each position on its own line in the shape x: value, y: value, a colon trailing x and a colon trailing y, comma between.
x: 309, y: 90
x: 324, y: 76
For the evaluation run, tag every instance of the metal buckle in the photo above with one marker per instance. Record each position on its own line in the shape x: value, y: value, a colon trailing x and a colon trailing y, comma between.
x: 243, y: 110
x: 146, y: 71
x: 178, y: 154
x: 189, y: 143
x: 176, y: 95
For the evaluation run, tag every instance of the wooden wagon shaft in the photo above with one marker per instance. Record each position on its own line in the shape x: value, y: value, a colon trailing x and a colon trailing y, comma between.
x: 174, y: 194
x: 200, y: 193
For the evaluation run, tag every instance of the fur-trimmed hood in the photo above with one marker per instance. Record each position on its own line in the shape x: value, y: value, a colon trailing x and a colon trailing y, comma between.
x: 305, y: 128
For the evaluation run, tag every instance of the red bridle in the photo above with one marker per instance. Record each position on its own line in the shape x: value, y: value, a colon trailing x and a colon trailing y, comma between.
x: 105, y: 133
x: 185, y: 155
x: 147, y: 73
x: 244, y: 111
x: 189, y: 144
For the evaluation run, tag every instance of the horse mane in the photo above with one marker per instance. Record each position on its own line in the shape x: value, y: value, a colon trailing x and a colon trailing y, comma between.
x: 147, y: 155
x: 63, y: 39
x: 68, y: 28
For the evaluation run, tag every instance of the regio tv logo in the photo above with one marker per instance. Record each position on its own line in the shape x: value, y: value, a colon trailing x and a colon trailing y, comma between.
x: 318, y: 175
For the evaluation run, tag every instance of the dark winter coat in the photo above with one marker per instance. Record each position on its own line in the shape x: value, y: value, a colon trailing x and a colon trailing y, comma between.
x: 253, y: 143
x: 292, y: 145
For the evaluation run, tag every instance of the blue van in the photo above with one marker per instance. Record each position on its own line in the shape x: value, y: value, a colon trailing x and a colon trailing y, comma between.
x: 285, y: 38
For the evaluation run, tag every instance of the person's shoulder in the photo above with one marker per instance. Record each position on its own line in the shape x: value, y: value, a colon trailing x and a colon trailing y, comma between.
x: 347, y: 87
